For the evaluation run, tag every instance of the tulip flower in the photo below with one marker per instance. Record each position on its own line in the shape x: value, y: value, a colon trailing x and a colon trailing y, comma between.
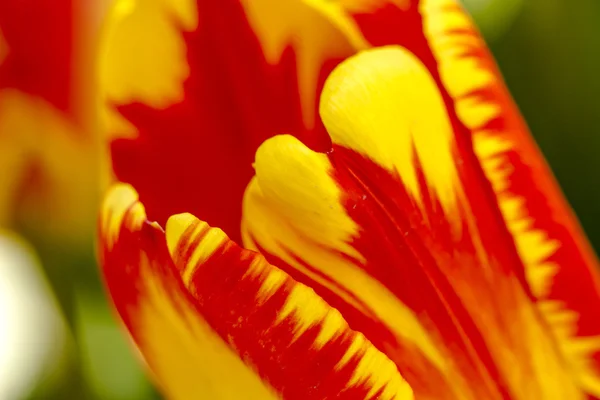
x: 336, y: 200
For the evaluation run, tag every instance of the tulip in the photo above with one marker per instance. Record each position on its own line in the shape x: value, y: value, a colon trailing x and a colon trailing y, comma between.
x: 336, y: 200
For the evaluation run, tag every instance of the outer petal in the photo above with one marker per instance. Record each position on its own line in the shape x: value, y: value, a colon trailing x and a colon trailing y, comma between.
x: 226, y: 76
x: 215, y: 321
x: 48, y: 150
x: 560, y: 266
x: 399, y: 230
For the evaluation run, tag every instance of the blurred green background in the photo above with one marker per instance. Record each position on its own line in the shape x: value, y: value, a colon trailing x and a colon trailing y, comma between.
x: 549, y: 53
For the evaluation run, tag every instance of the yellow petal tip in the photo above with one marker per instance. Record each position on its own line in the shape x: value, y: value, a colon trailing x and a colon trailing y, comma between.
x: 176, y: 227
x: 121, y: 206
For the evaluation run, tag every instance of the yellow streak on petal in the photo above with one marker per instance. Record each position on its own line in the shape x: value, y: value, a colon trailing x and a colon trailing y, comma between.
x: 533, y: 246
x: 463, y: 75
x: 404, y: 118
x: 475, y: 113
x: 317, y: 30
x: 373, y: 360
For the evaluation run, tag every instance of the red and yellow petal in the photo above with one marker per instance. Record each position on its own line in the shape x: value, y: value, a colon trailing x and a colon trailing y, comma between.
x: 216, y: 321
x: 398, y: 229
x: 561, y: 269
x: 226, y: 76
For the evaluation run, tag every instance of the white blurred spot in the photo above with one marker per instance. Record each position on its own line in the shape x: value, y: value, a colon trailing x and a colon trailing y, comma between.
x: 32, y: 332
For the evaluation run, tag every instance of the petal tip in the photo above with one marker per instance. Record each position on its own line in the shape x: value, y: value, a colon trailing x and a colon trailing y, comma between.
x: 283, y: 156
x: 191, y: 242
x: 176, y: 227
x: 121, y: 206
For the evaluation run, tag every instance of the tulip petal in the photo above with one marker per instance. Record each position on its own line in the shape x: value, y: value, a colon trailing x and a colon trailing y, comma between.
x: 185, y: 355
x: 216, y: 321
x: 561, y: 268
x: 220, y: 87
x: 398, y: 229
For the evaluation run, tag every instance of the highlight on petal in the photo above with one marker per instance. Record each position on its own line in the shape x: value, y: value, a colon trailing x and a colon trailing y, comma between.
x: 561, y: 269
x: 216, y: 321
x: 418, y: 258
